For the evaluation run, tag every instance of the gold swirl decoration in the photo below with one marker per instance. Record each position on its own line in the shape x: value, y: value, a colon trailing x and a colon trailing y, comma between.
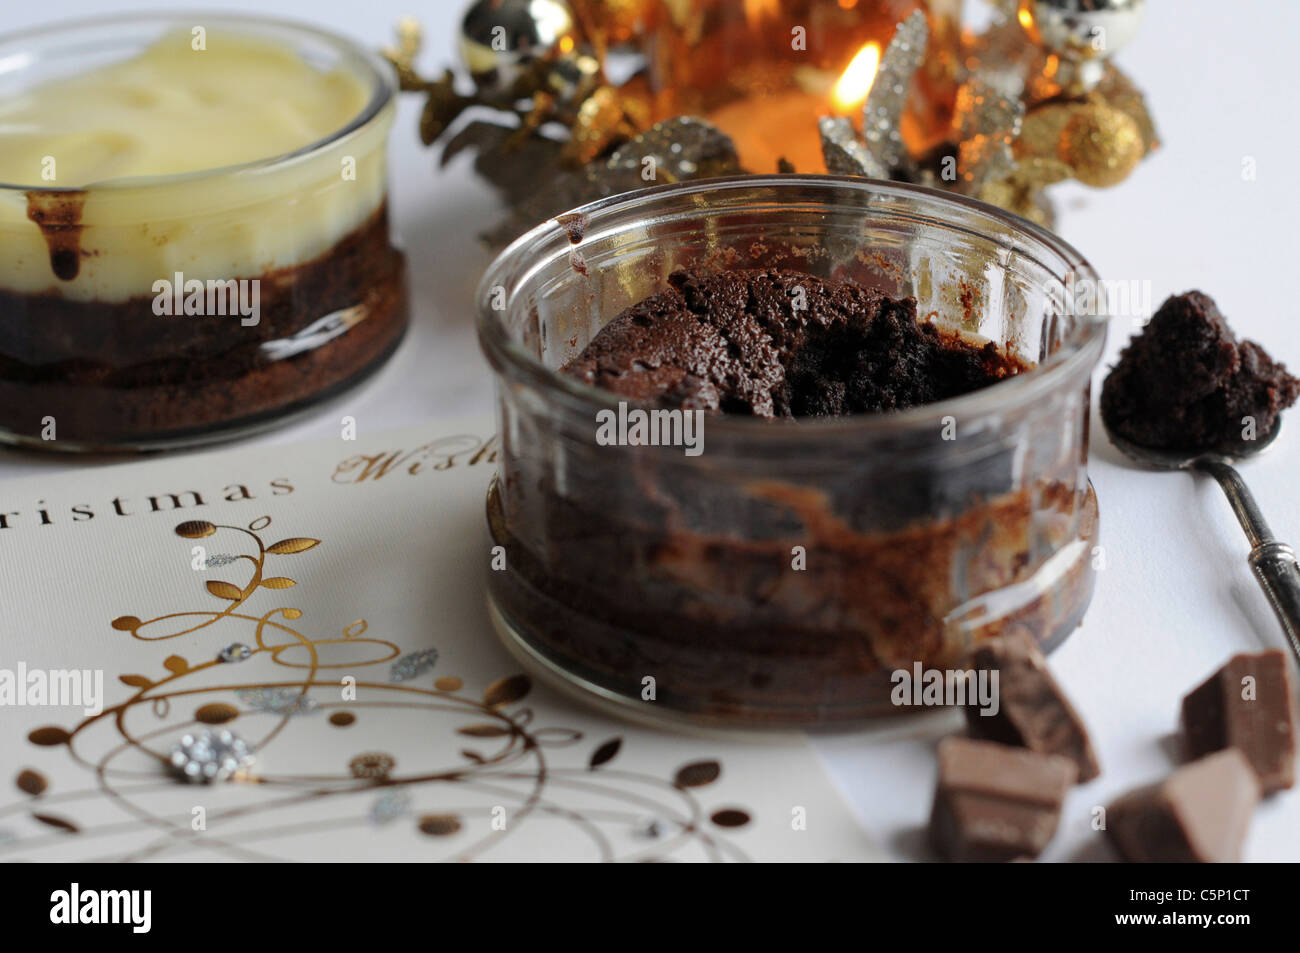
x: 503, y: 766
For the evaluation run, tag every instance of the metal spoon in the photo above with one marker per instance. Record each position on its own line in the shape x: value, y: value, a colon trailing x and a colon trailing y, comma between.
x: 1273, y: 561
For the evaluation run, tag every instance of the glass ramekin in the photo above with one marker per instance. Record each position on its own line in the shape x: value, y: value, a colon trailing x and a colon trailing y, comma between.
x: 781, y: 577
x: 87, y: 364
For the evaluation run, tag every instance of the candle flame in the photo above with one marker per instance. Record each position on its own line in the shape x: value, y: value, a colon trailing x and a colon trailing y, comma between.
x: 854, y: 84
x: 1026, y: 18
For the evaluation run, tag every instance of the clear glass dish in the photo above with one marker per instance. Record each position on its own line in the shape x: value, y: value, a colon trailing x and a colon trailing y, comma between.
x: 87, y: 363
x: 633, y: 571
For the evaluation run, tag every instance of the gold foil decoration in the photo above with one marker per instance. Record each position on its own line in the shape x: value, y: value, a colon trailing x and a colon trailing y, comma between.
x: 602, y: 121
x: 1019, y: 124
x: 1100, y: 144
x: 990, y: 123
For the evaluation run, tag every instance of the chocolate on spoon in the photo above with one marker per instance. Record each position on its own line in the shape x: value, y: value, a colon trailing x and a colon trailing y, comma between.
x: 1187, y: 395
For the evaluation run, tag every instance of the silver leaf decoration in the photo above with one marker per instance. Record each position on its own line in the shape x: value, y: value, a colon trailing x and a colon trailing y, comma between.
x: 883, y: 112
x: 844, y: 153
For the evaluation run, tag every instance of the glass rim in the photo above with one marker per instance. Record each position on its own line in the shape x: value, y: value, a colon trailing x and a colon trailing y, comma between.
x: 380, y: 76
x: 1077, y: 355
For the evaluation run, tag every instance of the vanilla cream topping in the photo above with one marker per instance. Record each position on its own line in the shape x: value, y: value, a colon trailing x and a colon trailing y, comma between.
x: 174, y: 110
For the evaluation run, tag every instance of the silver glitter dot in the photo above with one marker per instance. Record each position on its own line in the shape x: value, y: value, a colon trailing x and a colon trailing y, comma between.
x: 217, y: 560
x: 235, y: 652
x: 411, y: 666
x: 649, y: 828
x: 389, y: 806
x: 285, y: 700
x: 211, y: 756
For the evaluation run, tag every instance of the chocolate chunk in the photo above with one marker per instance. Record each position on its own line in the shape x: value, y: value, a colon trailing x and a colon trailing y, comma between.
x: 1199, y: 814
x: 1248, y: 704
x: 1032, y: 711
x: 1186, y: 382
x: 995, y: 803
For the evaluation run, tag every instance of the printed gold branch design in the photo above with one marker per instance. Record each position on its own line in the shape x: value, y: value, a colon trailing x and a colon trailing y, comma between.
x: 235, y: 595
x: 501, y: 779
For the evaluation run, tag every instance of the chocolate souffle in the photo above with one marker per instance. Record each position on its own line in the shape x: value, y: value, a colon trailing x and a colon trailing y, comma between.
x: 620, y: 581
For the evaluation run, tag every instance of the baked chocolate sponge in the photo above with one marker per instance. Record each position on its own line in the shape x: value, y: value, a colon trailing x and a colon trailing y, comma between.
x: 1186, y: 383
x: 775, y: 343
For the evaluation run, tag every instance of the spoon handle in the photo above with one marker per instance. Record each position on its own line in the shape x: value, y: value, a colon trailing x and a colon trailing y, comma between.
x: 1273, y: 561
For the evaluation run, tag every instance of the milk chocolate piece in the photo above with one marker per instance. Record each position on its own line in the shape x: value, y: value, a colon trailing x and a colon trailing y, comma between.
x: 1248, y: 705
x: 994, y: 802
x: 1199, y: 814
x: 1032, y: 712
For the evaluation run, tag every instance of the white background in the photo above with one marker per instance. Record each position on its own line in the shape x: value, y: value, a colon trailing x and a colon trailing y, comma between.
x: 1176, y: 597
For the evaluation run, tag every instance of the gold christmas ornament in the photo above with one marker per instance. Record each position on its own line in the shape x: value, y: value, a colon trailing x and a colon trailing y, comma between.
x: 1101, y: 145
x: 1033, y: 99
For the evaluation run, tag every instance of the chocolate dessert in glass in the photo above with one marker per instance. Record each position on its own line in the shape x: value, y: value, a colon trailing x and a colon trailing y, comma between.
x: 892, y: 389
x: 194, y: 236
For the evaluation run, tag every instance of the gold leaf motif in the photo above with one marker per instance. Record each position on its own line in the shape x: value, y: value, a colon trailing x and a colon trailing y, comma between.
x: 224, y: 590
x: 49, y: 736
x: 278, y: 582
x: 53, y: 821
x: 506, y: 690
x: 605, y: 752
x: 697, y: 774
x: 730, y: 817
x: 216, y: 713
x: 483, y: 731
x: 195, y: 529
x: 176, y: 665
x: 295, y: 544
x: 126, y: 623
x: 439, y: 825
x: 135, y: 681
x: 292, y: 613
x: 31, y: 782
